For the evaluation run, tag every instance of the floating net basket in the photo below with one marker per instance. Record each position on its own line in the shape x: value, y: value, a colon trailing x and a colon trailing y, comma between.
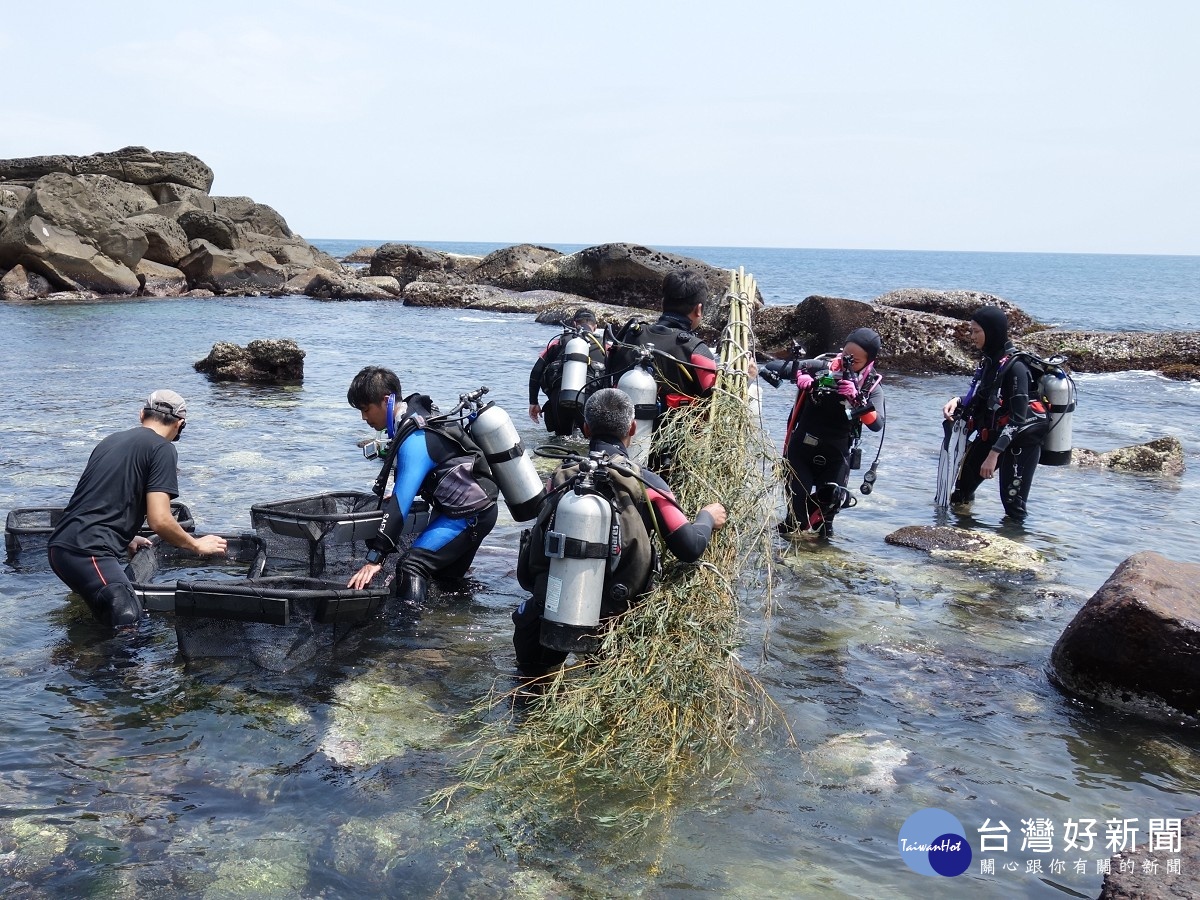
x: 324, y: 536
x: 277, y: 622
x: 155, y: 570
x: 28, y: 530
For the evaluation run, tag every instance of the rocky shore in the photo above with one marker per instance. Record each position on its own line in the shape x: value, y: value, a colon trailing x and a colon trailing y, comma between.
x: 137, y: 222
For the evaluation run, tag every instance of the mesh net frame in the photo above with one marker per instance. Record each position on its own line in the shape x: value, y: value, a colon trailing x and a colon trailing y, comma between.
x: 28, y: 529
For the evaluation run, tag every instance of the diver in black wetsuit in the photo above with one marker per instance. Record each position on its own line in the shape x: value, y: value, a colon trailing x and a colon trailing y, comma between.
x: 1004, y: 430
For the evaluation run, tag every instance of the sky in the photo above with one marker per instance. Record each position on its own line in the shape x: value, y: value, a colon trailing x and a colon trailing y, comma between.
x: 1008, y: 125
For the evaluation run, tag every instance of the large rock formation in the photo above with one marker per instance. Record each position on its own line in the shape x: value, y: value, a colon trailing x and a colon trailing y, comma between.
x: 86, y: 223
x: 408, y: 262
x: 623, y: 274
x: 1135, y: 645
x: 1176, y: 353
x: 268, y: 361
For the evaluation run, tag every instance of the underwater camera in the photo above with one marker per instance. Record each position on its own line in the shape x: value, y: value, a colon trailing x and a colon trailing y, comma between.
x: 374, y: 447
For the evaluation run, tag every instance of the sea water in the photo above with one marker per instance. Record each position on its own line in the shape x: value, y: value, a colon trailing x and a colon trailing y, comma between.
x: 905, y: 683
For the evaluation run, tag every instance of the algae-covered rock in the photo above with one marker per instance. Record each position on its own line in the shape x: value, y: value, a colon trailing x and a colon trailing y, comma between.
x: 29, y: 846
x: 1163, y: 456
x: 268, y: 867
x: 971, y: 548
x: 863, y: 761
x: 374, y: 720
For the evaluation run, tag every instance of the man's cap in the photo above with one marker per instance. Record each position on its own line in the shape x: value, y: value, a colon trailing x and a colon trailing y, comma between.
x: 168, y: 403
x: 584, y: 315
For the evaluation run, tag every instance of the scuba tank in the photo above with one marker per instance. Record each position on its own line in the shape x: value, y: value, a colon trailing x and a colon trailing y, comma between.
x: 570, y: 391
x: 640, y: 386
x: 1059, y: 392
x: 493, y: 430
x: 578, y: 547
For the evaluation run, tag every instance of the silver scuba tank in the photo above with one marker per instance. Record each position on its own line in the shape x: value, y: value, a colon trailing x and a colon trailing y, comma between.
x: 640, y: 386
x: 574, y: 377
x: 578, y: 550
x: 512, y: 468
x: 1058, y: 389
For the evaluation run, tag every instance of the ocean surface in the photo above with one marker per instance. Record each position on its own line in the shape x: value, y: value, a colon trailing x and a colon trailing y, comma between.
x: 146, y: 766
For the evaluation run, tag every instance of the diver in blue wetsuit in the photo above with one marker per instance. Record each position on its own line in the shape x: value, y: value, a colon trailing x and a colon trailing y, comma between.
x: 437, y: 462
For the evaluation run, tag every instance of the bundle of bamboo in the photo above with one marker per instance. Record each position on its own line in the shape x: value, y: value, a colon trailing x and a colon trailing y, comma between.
x: 666, y: 700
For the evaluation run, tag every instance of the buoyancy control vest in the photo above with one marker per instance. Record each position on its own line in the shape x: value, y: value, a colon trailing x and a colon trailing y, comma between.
x: 1051, y: 407
x: 678, y: 379
x: 628, y: 556
x: 823, y: 413
x: 460, y: 485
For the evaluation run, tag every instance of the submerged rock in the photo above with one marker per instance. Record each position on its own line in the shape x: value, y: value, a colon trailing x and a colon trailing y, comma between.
x: 972, y: 548
x: 1135, y: 645
x: 1163, y: 456
x: 271, y: 361
x: 1148, y: 877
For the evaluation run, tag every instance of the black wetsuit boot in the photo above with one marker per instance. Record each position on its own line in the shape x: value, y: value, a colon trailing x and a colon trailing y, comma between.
x: 411, y: 588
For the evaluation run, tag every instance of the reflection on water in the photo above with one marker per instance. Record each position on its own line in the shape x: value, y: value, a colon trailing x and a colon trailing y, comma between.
x: 130, y: 767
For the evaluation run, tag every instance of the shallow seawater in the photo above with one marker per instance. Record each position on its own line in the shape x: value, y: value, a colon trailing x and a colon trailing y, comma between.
x: 128, y: 767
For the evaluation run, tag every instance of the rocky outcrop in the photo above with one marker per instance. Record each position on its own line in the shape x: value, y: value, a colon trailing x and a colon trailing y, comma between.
x: 553, y: 304
x: 158, y: 280
x: 20, y: 285
x: 361, y: 255
x: 956, y: 305
x: 408, y: 262
x: 624, y: 275
x: 974, y: 549
x: 1143, y: 874
x: 912, y: 341
x: 268, y: 361
x: 1163, y: 456
x: 322, y: 284
x: 1173, y: 352
x: 230, y: 271
x: 515, y: 267
x: 86, y: 223
x: 1135, y: 645
x: 136, y: 165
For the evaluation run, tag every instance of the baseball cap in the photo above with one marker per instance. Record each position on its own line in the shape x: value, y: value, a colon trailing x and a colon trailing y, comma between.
x: 168, y: 403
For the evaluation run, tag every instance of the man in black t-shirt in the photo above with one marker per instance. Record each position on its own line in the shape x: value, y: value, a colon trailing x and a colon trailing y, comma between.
x: 130, y: 477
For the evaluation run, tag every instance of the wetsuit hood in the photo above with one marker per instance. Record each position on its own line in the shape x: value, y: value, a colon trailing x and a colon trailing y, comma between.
x: 994, y: 323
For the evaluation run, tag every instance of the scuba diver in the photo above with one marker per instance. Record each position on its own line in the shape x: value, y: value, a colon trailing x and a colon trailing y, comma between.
x: 664, y: 366
x: 555, y: 362
x: 684, y: 366
x: 132, y: 476
x: 838, y: 394
x: 436, y: 461
x: 1005, y: 427
x: 634, y: 504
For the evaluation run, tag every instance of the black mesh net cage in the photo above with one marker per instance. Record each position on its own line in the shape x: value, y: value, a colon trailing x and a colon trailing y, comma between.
x: 155, y: 570
x: 325, y: 535
x: 27, y: 531
x: 277, y: 622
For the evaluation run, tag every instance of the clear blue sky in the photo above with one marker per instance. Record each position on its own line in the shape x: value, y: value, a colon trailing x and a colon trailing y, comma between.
x: 1043, y: 125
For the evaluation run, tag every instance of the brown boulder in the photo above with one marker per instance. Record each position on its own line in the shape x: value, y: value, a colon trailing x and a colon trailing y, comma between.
x: 1135, y: 645
x: 408, y: 262
x: 1163, y: 456
x: 20, y: 285
x: 256, y: 217
x: 325, y: 285
x: 136, y: 165
x: 513, y: 267
x: 269, y: 361
x: 230, y: 271
x: 624, y: 275
x: 218, y: 230
x: 75, y: 205
x: 361, y: 255
x: 956, y: 305
x: 166, y: 241
x: 66, y: 260
x: 158, y: 280
x: 166, y: 192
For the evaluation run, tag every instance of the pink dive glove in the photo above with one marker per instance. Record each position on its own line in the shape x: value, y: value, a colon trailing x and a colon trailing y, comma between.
x: 846, y: 388
x: 804, y: 381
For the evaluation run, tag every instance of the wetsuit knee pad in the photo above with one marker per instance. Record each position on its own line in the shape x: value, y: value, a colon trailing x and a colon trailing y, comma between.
x: 116, y: 604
